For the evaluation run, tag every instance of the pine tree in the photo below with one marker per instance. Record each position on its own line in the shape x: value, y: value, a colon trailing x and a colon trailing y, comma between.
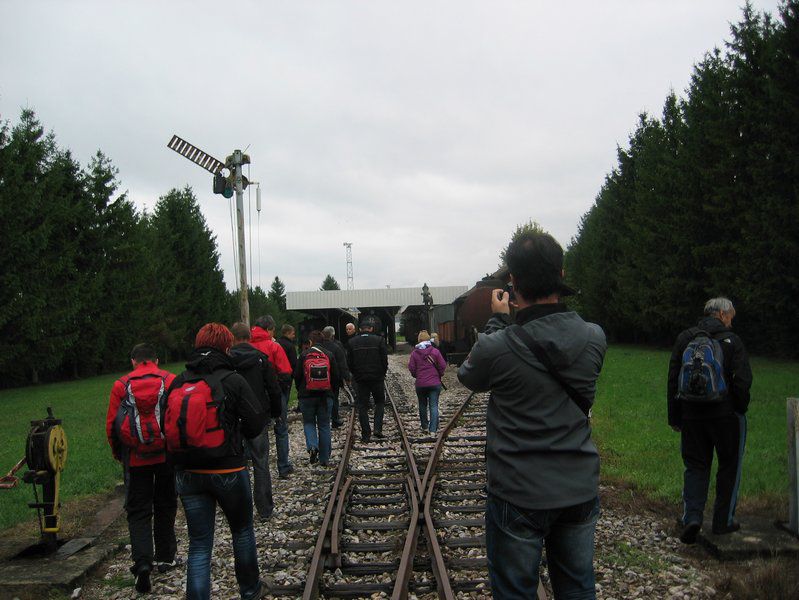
x: 330, y: 283
x: 277, y: 293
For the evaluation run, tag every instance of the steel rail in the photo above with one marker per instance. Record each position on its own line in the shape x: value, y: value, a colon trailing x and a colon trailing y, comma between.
x: 311, y: 590
x: 327, y: 551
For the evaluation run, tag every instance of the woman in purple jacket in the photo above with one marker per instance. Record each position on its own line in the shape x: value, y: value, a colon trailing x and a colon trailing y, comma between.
x: 427, y: 366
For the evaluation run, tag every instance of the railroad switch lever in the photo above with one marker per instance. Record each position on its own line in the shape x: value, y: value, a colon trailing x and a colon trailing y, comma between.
x: 46, y: 456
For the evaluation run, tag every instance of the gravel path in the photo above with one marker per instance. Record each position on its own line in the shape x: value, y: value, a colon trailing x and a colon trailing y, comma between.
x: 636, y: 555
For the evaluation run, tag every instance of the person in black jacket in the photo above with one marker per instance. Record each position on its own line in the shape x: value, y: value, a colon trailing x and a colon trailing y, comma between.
x: 708, y: 426
x: 204, y: 479
x: 255, y: 367
x: 367, y: 357
x: 316, y: 405
x: 336, y: 348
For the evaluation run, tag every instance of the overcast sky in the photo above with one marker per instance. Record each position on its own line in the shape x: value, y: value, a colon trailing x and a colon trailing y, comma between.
x: 422, y: 132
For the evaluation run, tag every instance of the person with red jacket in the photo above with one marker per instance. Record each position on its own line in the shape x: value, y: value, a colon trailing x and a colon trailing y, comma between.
x: 262, y: 338
x: 134, y: 433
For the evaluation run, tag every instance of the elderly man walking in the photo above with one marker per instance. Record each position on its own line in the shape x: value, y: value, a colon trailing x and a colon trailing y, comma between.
x: 708, y: 396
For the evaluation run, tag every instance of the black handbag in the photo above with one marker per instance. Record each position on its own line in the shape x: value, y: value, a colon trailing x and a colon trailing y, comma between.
x: 543, y: 358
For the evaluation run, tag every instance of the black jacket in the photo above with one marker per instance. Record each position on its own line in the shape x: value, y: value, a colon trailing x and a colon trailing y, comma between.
x: 290, y: 349
x: 367, y: 357
x: 336, y: 348
x: 299, y: 374
x: 254, y: 366
x: 737, y: 375
x: 243, y: 414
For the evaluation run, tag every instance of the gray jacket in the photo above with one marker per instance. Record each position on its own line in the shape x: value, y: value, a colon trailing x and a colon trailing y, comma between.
x: 539, y: 451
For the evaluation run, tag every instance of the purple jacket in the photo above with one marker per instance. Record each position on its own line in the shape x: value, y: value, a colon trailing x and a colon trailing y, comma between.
x: 427, y: 365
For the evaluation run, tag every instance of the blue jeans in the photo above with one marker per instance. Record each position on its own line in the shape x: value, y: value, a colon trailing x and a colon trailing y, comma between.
x: 200, y: 493
x: 282, y: 437
x: 515, y: 539
x: 316, y: 425
x: 428, y: 397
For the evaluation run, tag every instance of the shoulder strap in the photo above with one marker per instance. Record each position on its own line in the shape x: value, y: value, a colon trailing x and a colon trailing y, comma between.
x: 543, y: 358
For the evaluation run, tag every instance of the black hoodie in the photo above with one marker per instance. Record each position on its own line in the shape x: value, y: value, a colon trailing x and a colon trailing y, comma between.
x: 254, y: 366
x: 737, y: 375
x: 243, y: 414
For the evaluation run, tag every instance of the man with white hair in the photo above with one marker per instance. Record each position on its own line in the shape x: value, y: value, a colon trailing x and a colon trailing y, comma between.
x: 708, y: 396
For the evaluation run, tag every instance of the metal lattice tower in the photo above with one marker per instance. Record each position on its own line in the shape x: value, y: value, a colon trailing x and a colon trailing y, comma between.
x: 350, y: 280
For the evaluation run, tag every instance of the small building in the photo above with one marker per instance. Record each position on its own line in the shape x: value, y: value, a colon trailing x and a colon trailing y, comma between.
x: 339, y: 307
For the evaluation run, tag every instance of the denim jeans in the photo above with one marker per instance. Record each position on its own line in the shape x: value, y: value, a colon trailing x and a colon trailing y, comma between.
x: 316, y: 425
x: 200, y: 493
x: 258, y: 449
x: 515, y: 540
x: 428, y: 399
x: 282, y: 437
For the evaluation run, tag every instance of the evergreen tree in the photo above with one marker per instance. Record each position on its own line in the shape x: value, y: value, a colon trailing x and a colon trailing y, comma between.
x: 330, y: 283
x: 529, y: 226
x: 277, y: 293
x: 184, y: 254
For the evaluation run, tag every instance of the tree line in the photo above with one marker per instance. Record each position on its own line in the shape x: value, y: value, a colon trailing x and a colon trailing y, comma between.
x: 703, y: 201
x: 84, y: 275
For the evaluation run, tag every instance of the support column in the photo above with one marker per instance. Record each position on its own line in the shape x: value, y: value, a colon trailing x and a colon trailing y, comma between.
x: 793, y: 464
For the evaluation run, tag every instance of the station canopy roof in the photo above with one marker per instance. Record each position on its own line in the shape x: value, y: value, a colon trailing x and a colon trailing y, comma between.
x: 376, y: 298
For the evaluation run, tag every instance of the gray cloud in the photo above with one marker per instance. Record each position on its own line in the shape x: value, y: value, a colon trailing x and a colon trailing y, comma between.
x: 421, y: 132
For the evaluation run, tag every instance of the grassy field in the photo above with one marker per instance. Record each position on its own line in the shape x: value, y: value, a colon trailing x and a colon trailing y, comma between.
x: 638, y: 447
x: 629, y: 422
x: 82, y: 405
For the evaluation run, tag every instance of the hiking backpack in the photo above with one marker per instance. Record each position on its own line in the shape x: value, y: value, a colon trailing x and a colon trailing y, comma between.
x: 701, y: 376
x: 138, y: 421
x: 317, y: 370
x: 194, y: 415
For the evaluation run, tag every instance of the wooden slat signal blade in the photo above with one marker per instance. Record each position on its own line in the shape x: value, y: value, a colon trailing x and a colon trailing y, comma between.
x: 195, y: 155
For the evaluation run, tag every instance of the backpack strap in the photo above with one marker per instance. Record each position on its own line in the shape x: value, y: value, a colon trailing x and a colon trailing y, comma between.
x: 583, y: 404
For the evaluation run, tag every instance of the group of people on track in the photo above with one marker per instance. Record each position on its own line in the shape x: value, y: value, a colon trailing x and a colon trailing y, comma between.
x: 191, y: 435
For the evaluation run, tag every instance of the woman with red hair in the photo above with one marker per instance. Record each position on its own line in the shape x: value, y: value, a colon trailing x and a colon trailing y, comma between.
x: 205, y: 479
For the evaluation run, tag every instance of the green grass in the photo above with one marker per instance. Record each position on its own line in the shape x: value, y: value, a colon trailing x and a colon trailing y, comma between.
x: 624, y: 555
x: 82, y: 406
x: 638, y: 446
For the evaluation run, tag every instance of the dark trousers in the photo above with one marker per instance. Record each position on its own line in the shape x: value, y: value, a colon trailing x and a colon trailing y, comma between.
x: 365, y: 389
x: 258, y: 449
x: 151, y: 503
x: 335, y: 414
x: 727, y: 436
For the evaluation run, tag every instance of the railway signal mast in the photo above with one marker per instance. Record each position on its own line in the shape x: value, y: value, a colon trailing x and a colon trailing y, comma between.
x: 350, y: 278
x: 225, y: 184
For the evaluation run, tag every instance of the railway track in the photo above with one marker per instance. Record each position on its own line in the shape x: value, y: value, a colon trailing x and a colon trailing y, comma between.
x: 405, y: 515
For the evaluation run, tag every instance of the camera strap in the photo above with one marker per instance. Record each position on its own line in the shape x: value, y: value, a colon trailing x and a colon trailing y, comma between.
x: 543, y: 358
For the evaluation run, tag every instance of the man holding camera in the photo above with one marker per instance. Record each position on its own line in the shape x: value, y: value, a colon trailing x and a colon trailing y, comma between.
x: 542, y: 466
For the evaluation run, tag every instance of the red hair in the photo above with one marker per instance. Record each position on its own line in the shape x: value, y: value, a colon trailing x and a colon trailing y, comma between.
x: 214, y: 335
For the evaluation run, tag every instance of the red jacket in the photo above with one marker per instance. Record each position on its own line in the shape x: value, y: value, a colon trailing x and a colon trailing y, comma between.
x: 117, y: 394
x: 262, y: 340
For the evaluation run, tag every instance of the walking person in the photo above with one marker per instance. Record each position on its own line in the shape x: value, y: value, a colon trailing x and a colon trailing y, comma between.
x: 133, y: 429
x: 336, y: 348
x: 367, y: 357
x: 427, y: 366
x: 710, y: 416
x: 261, y: 338
x: 254, y: 366
x: 316, y: 375
x: 542, y: 466
x: 210, y: 408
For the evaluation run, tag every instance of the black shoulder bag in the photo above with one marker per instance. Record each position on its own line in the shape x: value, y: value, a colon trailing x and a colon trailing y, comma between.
x: 543, y: 358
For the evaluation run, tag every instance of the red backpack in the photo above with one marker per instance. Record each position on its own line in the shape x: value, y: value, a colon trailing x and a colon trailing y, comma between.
x: 138, y: 421
x: 317, y: 370
x: 194, y: 414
